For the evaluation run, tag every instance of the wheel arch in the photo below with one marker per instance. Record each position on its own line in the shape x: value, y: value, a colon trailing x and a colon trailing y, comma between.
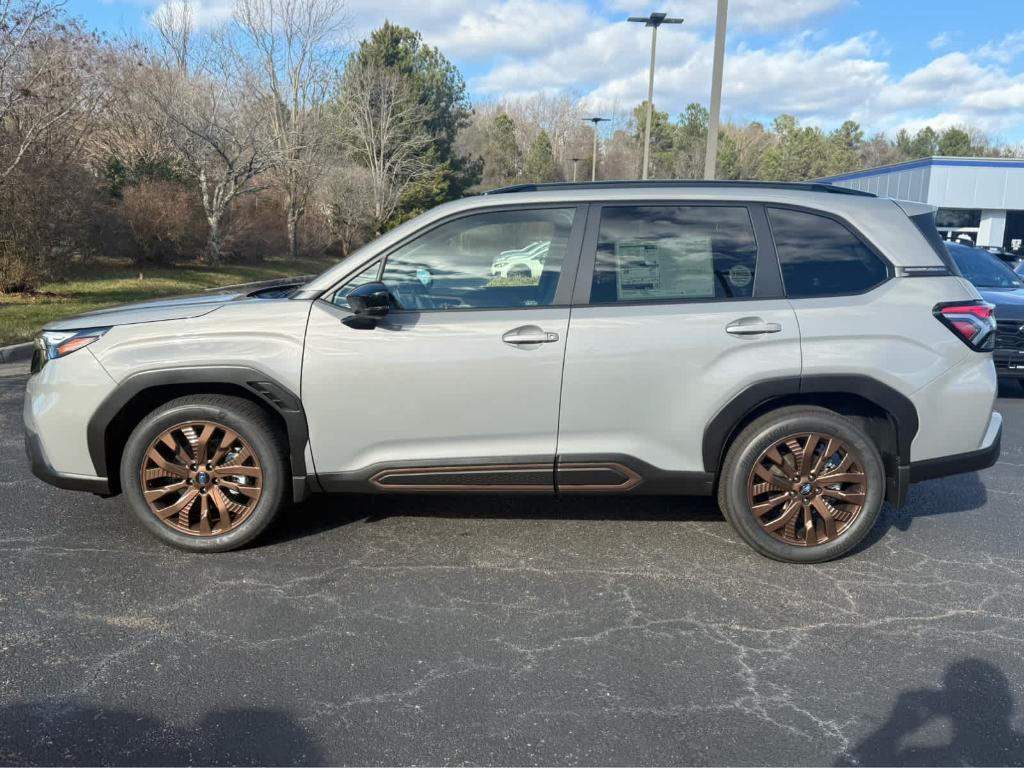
x: 116, y: 417
x: 889, y: 418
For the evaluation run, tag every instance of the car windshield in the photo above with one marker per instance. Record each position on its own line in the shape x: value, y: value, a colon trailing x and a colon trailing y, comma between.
x: 983, y: 269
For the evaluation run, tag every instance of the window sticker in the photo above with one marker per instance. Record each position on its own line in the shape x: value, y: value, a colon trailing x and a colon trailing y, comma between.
x: 740, y: 275
x: 667, y: 267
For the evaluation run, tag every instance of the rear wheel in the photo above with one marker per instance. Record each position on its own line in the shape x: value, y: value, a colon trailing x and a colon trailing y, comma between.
x: 205, y: 473
x: 802, y: 484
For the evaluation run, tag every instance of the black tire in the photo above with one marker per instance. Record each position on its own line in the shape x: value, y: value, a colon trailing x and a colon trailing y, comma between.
x: 763, y: 433
x: 253, y: 425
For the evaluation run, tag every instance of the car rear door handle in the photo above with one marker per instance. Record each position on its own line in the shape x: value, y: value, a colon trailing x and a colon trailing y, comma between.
x: 528, y: 334
x: 751, y: 326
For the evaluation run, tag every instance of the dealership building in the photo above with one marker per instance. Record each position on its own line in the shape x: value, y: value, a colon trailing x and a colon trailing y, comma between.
x: 980, y: 198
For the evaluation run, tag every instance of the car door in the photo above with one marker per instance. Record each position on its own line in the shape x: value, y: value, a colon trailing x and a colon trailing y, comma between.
x: 457, y: 387
x: 678, y: 308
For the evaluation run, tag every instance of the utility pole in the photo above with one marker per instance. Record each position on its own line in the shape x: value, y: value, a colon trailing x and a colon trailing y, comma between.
x: 653, y: 21
x: 574, y: 161
x: 711, y: 157
x: 593, y: 165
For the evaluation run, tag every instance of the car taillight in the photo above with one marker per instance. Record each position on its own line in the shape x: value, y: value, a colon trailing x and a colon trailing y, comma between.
x: 974, y: 322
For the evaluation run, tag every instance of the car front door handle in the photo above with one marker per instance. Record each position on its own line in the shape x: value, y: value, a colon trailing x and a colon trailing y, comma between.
x: 752, y: 326
x: 528, y: 334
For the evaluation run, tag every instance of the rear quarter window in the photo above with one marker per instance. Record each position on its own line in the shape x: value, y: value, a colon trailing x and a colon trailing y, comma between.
x: 820, y: 256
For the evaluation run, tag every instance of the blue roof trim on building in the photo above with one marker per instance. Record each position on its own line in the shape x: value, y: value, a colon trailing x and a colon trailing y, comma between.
x: 968, y: 162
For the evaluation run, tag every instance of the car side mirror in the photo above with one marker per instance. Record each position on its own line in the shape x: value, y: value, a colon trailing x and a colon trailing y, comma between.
x: 370, y: 300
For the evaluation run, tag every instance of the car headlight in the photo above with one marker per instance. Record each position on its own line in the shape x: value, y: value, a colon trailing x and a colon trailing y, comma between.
x: 53, y: 344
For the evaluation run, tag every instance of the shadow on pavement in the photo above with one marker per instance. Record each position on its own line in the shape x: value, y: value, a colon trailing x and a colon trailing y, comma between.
x: 974, y: 704
x: 62, y: 734
x: 323, y: 513
x: 959, y: 493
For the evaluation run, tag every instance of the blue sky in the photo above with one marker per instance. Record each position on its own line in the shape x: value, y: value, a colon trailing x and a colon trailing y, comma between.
x: 886, y: 63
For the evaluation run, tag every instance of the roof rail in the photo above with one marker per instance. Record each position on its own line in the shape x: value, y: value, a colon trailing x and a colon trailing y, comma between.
x: 802, y: 186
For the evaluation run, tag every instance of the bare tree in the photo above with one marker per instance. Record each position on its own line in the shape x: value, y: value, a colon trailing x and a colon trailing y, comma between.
x: 217, y: 132
x: 174, y: 23
x: 293, y: 49
x: 48, y: 82
x: 345, y: 195
x: 382, y: 126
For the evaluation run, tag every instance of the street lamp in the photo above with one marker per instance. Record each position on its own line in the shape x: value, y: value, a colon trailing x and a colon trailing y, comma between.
x: 653, y: 21
x: 574, y: 161
x: 593, y: 165
x: 711, y: 153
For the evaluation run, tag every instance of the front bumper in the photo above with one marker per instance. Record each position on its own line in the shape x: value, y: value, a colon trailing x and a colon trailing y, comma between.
x: 41, y: 468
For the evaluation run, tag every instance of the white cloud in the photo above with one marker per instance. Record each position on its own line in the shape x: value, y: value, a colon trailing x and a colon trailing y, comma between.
x: 513, y: 48
x: 205, y: 13
x: 1005, y: 50
x: 513, y: 28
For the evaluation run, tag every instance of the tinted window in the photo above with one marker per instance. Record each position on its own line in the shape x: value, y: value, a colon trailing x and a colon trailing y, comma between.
x: 487, y: 260
x: 819, y: 256
x: 663, y: 252
x: 983, y: 269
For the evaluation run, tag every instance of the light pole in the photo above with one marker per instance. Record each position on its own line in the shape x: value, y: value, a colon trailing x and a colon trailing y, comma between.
x: 711, y: 156
x: 653, y: 21
x: 593, y: 164
x: 574, y: 161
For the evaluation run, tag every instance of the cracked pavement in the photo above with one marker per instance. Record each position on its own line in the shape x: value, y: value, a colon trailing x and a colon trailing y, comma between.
x: 515, y: 630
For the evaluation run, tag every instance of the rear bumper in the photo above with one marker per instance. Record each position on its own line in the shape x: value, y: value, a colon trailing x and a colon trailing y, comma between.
x: 972, y: 461
x: 41, y: 468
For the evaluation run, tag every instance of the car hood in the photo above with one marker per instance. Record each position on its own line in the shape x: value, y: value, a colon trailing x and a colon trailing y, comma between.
x: 1009, y: 302
x: 176, y: 308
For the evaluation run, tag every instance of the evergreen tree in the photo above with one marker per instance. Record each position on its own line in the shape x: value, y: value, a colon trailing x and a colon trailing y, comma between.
x: 439, y: 87
x: 798, y: 154
x: 540, y: 160
x: 503, y: 160
x: 956, y: 142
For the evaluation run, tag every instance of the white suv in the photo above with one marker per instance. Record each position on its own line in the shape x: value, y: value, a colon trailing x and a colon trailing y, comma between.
x: 804, y: 352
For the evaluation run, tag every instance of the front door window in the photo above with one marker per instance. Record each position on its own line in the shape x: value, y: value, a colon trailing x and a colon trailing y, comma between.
x: 493, y: 260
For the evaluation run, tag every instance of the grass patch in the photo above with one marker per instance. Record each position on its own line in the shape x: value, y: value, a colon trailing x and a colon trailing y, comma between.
x: 107, y: 282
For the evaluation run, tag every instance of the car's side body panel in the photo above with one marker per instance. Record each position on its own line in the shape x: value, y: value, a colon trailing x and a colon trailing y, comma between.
x: 855, y: 334
x: 431, y: 388
x: 642, y: 380
x: 265, y: 334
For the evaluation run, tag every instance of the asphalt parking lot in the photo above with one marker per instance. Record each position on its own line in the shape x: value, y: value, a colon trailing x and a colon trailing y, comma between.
x: 436, y: 630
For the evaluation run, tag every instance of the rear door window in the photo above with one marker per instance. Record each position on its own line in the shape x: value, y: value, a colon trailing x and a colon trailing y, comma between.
x: 673, y: 253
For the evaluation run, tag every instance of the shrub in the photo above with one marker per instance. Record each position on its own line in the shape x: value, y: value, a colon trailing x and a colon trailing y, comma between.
x: 164, y: 220
x: 48, y: 212
x: 254, y: 229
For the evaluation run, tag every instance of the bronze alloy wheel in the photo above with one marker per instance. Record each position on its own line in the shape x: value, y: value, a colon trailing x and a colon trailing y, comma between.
x: 807, y: 489
x: 201, y: 478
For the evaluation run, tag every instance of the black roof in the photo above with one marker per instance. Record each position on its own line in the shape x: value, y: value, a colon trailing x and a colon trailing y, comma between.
x: 803, y: 186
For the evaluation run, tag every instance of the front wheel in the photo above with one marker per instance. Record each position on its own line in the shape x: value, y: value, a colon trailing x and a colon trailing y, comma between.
x: 206, y: 473
x: 802, y: 484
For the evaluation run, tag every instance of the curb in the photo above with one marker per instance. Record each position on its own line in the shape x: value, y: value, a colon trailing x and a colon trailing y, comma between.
x: 16, y: 353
